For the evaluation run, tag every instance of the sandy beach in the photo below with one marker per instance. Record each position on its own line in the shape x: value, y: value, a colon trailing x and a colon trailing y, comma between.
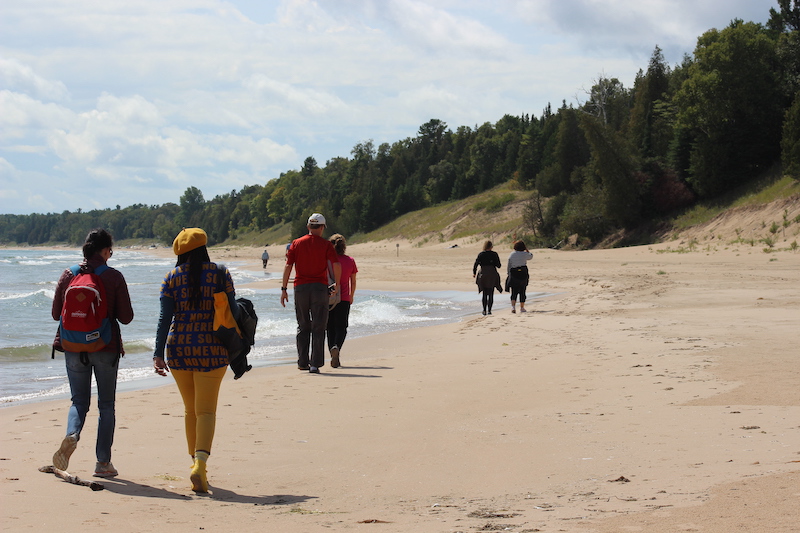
x: 657, y: 391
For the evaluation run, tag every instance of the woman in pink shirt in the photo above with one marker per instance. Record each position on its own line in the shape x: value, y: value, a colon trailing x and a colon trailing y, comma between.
x: 338, y: 317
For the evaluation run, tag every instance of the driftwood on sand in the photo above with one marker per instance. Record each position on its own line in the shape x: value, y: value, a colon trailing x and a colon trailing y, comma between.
x: 69, y: 478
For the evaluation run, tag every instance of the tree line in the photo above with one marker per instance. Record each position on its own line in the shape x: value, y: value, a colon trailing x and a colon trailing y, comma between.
x: 624, y: 156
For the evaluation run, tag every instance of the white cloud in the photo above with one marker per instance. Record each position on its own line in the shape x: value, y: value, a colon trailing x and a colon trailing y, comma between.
x: 14, y: 76
x: 636, y: 27
x: 285, y: 98
x: 155, y: 95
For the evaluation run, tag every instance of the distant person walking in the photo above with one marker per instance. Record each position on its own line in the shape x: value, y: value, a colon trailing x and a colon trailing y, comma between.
x: 487, y: 279
x: 104, y: 364
x: 196, y: 359
x: 310, y: 255
x: 339, y: 316
x: 518, y: 275
x: 265, y: 258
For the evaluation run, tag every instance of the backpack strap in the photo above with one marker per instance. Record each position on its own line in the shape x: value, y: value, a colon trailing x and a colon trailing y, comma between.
x: 77, y: 268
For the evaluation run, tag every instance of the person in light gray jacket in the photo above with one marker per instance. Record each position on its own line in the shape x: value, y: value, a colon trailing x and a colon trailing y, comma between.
x: 517, y: 268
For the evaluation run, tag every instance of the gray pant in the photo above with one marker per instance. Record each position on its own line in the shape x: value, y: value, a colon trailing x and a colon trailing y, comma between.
x: 311, y: 308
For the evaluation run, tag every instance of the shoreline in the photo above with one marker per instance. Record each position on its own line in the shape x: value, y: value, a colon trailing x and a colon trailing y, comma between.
x: 672, y: 371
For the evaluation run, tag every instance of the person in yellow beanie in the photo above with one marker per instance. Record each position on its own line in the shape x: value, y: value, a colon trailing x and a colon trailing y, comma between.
x: 196, y: 359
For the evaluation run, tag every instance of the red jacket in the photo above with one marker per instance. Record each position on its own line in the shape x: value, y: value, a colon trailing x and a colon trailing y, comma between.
x: 119, y: 301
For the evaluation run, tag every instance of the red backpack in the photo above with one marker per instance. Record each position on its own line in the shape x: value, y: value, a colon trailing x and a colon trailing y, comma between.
x: 84, y: 316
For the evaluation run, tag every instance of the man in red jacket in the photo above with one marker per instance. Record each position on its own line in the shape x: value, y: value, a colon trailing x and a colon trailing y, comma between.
x: 310, y: 256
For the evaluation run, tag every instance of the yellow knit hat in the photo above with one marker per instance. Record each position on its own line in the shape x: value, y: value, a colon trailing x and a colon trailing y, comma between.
x: 189, y: 239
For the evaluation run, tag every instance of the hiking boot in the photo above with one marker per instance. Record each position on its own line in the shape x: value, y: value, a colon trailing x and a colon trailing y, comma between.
x: 198, y: 477
x: 335, y: 357
x: 61, y: 457
x: 104, y: 470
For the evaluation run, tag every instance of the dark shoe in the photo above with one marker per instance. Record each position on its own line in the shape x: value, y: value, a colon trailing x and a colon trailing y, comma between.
x: 313, y: 370
x: 302, y: 367
x: 335, y: 357
x: 484, y: 312
x: 61, y: 457
x: 105, y: 470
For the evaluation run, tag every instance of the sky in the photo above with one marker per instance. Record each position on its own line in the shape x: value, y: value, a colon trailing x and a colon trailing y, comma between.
x: 118, y: 102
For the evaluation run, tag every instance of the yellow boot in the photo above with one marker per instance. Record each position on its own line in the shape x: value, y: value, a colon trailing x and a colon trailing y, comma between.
x: 198, y: 475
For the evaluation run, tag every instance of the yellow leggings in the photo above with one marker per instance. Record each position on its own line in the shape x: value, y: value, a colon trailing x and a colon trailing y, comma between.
x: 199, y: 391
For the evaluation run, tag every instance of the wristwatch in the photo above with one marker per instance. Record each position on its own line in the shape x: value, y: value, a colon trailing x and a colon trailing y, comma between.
x: 283, y: 288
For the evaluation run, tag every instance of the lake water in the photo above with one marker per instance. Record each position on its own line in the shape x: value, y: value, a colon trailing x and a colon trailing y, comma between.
x: 27, y: 284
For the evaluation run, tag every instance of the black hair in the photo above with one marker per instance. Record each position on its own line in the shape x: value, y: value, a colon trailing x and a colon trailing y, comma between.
x: 519, y: 246
x: 195, y: 258
x: 97, y: 239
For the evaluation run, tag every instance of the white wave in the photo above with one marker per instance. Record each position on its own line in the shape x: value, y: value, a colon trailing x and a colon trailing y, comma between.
x: 38, y: 395
x: 374, y: 312
x: 281, y: 327
x: 245, y: 293
x: 33, y: 262
x: 48, y: 293
x: 166, y: 266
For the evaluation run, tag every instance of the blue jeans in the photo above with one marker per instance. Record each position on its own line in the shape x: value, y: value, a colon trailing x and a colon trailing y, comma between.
x: 104, y: 366
x: 311, y: 308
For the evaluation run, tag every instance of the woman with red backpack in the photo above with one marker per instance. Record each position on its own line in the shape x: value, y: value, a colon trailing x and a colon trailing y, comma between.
x: 100, y: 358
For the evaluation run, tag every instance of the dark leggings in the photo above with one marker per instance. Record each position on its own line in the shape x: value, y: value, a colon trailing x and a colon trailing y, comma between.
x: 518, y: 291
x: 338, y: 321
x: 518, y: 282
x: 488, y: 299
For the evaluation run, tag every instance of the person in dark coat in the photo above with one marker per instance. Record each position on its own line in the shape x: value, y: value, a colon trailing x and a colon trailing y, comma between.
x: 487, y: 279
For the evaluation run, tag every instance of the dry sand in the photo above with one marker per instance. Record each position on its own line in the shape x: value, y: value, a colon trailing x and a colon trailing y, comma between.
x: 656, y: 391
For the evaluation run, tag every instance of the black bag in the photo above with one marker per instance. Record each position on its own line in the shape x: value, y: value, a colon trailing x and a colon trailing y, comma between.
x: 247, y: 322
x: 238, y: 342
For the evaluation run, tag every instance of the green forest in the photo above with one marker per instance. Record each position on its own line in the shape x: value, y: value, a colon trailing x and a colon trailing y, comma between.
x: 682, y: 134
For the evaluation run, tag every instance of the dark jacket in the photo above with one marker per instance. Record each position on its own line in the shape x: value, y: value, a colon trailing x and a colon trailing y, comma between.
x: 488, y: 278
x: 117, y: 296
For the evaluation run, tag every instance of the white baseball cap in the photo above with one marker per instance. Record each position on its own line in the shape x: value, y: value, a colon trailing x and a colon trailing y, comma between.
x: 316, y: 218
